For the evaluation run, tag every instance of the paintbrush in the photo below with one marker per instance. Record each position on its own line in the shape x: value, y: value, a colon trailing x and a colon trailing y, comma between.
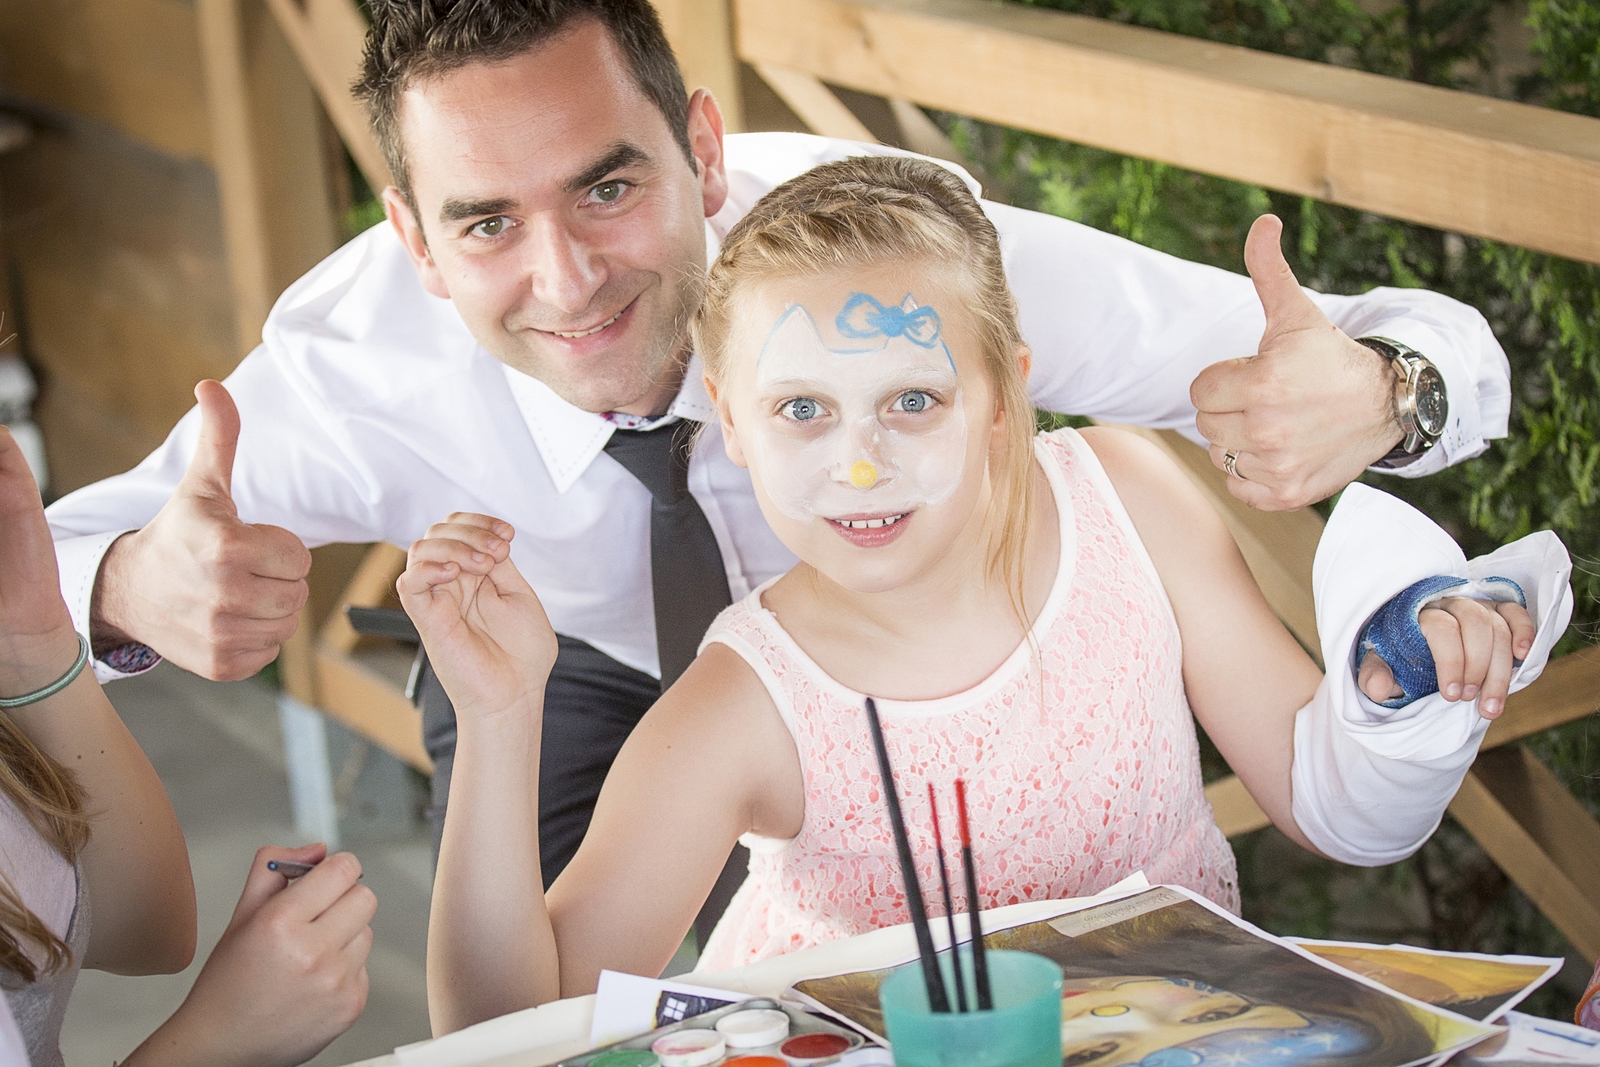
x: 980, y: 961
x: 949, y: 907
x: 937, y: 999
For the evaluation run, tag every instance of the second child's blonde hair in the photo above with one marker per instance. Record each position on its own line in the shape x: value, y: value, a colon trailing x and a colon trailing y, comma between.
x: 866, y: 210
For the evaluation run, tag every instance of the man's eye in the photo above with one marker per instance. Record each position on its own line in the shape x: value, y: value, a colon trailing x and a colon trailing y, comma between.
x: 490, y: 227
x: 801, y: 409
x: 608, y: 192
x: 914, y: 400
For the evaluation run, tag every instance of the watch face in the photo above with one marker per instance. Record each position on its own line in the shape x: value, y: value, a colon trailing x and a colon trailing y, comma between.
x: 1432, y: 408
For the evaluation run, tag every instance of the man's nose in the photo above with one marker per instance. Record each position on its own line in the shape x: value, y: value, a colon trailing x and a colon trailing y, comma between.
x: 565, y: 273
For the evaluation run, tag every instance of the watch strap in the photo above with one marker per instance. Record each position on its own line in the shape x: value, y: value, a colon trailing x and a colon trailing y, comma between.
x: 1407, y: 362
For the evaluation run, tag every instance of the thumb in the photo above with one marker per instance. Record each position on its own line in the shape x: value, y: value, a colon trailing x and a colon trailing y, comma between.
x: 211, y: 467
x: 1376, y: 679
x: 261, y: 884
x: 1286, y: 304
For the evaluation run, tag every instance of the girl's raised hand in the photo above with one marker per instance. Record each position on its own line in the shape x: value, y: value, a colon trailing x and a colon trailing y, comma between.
x: 1473, y: 642
x: 485, y: 631
x: 37, y: 643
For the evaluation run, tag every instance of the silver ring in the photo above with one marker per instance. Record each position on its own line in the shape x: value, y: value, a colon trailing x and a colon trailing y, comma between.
x: 1230, y: 463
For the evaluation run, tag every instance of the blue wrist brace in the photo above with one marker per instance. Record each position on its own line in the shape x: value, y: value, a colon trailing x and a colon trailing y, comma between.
x: 1396, y: 636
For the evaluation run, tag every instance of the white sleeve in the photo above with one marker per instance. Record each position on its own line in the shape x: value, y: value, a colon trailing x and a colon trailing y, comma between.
x: 293, y: 469
x: 1370, y: 783
x: 1120, y: 331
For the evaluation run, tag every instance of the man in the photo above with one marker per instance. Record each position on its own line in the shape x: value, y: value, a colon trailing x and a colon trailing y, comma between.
x: 557, y: 197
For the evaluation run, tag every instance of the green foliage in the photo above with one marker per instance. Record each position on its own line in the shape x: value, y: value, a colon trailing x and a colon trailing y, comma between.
x: 1545, y: 311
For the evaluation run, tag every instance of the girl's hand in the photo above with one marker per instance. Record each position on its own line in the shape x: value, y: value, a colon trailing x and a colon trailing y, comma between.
x: 288, y: 976
x: 37, y: 642
x: 1473, y: 644
x: 485, y: 631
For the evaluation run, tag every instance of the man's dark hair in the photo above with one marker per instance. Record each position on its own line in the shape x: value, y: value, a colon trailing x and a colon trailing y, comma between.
x: 411, y: 39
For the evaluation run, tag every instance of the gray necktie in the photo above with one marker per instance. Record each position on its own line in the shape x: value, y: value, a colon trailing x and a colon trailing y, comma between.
x: 687, y: 579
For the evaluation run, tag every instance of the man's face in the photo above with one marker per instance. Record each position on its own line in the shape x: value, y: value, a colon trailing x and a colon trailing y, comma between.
x: 560, y: 216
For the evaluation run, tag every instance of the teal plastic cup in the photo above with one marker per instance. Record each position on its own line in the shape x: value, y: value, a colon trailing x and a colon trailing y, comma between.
x: 1023, y: 1030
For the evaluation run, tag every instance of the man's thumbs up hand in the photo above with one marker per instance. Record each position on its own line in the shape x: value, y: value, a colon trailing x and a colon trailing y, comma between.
x: 1310, y: 410
x: 214, y: 595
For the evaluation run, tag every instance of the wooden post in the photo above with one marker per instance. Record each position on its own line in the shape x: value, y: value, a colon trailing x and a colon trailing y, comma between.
x: 277, y: 215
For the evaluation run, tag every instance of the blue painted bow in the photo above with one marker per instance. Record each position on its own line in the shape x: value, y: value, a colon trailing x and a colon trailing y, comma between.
x: 862, y: 317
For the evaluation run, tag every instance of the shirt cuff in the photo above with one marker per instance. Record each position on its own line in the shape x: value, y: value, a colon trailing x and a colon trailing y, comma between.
x: 78, y: 560
x: 1463, y: 433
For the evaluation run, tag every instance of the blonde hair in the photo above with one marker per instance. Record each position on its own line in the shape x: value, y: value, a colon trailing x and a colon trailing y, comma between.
x: 50, y: 798
x: 865, y: 210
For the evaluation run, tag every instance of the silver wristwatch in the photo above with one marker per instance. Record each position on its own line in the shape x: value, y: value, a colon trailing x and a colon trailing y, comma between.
x: 1421, y: 405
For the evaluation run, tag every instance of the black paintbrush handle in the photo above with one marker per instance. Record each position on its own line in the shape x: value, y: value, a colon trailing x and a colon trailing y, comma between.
x: 980, y: 960
x: 937, y: 1000
x: 950, y: 919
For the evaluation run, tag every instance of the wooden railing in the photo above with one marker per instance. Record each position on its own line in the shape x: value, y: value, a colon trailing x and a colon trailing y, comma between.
x: 1461, y: 162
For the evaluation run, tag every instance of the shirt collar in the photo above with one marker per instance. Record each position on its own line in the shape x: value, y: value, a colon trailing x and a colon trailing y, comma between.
x: 569, y: 438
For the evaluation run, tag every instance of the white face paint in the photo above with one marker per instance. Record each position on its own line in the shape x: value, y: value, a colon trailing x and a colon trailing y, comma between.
x: 870, y: 426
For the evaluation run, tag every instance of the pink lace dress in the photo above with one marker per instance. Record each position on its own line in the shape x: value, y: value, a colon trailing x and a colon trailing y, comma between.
x: 1068, y: 794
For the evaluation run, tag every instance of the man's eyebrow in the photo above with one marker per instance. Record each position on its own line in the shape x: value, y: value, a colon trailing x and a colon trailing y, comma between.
x: 456, y: 208
x: 620, y: 156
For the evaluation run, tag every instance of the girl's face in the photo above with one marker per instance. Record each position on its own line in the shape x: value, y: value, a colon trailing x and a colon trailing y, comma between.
x: 860, y: 403
x: 1110, y: 1022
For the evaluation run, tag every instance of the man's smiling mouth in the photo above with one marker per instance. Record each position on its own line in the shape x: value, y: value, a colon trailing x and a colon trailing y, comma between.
x: 589, y: 332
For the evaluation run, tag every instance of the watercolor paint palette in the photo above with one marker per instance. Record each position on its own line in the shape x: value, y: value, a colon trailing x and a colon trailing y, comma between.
x: 751, y: 1033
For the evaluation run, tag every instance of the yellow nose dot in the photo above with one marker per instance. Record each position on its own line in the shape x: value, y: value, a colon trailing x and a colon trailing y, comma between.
x: 863, y: 474
x: 1108, y: 1010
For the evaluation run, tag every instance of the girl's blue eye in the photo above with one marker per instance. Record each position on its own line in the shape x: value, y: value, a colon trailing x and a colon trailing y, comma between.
x: 914, y: 401
x: 801, y: 409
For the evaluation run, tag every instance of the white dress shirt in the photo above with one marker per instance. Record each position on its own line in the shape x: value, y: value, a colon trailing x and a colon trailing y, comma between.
x: 369, y: 411
x: 1370, y: 783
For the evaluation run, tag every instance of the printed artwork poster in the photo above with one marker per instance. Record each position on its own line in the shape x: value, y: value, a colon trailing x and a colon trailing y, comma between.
x: 1165, y: 979
x: 1468, y: 983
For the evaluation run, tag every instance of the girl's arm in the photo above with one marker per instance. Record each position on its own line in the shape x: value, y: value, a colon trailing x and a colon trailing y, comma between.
x: 1245, y: 676
x: 136, y: 863
x: 700, y: 769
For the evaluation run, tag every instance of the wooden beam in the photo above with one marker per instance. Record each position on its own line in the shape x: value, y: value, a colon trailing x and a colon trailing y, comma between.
x: 1454, y: 160
x: 1236, y: 811
x: 815, y: 103
x: 371, y: 706
x: 328, y: 37
x: 1545, y: 841
x: 701, y: 35
x: 1569, y: 689
x: 372, y: 584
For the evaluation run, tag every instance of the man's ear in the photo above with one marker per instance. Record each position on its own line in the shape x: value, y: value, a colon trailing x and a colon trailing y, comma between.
x: 410, y: 230
x: 999, y: 434
x: 705, y: 142
x: 730, y: 438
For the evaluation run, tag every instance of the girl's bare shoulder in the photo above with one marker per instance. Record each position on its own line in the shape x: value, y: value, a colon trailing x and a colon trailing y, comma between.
x: 1173, y: 517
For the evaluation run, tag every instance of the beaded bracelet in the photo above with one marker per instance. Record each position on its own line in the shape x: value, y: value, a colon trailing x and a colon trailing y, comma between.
x: 7, y: 703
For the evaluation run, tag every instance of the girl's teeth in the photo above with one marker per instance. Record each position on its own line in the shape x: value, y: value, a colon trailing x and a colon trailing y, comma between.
x: 871, y: 524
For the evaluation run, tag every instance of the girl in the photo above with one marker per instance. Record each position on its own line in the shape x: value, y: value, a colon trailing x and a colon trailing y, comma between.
x: 1037, y: 616
x: 94, y: 871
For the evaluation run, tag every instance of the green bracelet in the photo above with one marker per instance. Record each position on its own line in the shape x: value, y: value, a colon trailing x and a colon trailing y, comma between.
x: 7, y: 703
